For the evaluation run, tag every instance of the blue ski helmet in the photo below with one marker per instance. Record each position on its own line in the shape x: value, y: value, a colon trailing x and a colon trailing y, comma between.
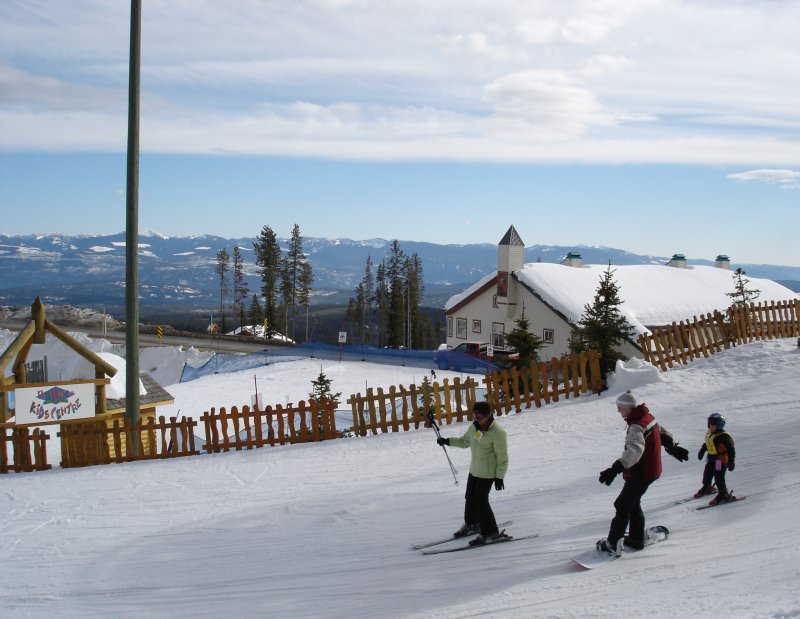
x: 717, y: 420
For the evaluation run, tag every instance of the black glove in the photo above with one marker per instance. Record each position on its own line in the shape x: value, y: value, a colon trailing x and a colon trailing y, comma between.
x: 498, y: 483
x: 679, y: 453
x: 701, y: 453
x: 731, y: 465
x: 607, y: 476
x: 442, y: 441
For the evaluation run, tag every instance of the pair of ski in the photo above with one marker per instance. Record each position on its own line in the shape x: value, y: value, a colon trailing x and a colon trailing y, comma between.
x: 432, y: 548
x: 733, y: 499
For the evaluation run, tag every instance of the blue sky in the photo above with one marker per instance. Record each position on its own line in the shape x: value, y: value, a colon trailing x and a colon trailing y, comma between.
x: 654, y: 126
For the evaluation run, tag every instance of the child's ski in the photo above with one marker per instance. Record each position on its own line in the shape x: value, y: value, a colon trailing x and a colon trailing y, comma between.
x: 694, y: 497
x: 733, y: 499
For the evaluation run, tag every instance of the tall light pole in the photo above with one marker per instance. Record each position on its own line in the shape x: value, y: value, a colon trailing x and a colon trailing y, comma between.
x: 132, y: 412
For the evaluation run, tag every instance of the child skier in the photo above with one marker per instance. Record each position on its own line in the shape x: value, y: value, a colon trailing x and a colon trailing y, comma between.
x: 721, y: 458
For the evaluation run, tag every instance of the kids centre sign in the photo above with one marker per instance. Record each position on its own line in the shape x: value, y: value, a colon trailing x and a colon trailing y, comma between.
x: 54, y: 403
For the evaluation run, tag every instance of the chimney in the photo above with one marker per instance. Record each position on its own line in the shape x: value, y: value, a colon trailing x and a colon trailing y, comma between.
x: 573, y: 259
x: 723, y: 262
x: 678, y: 261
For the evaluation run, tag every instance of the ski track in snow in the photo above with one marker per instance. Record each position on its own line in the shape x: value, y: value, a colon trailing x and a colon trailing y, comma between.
x: 323, y: 530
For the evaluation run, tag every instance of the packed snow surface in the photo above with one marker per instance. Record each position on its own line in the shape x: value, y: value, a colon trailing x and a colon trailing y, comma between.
x: 324, y: 530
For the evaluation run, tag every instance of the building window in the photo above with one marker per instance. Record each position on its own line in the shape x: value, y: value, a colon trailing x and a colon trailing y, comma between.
x: 548, y: 336
x: 461, y: 328
x: 499, y: 335
x: 494, y: 300
x: 449, y: 326
x: 476, y: 326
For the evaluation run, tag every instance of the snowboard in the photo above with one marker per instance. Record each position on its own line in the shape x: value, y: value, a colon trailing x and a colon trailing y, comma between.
x: 593, y: 558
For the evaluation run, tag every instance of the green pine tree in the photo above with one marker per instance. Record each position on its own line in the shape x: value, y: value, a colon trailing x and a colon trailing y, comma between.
x: 255, y: 315
x: 222, y: 268
x: 602, y: 327
x: 524, y: 342
x: 268, y: 259
x: 426, y: 404
x: 321, y: 392
x: 240, y: 288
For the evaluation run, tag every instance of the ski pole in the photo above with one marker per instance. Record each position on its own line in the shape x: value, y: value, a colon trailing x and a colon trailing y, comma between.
x: 438, y: 435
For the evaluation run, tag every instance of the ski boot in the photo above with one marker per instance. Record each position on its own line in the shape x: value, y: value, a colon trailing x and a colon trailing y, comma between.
x: 467, y: 529
x: 722, y: 497
x: 488, y: 539
x: 705, y: 491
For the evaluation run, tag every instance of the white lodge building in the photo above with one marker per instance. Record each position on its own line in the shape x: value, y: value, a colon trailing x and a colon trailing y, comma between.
x: 553, y: 297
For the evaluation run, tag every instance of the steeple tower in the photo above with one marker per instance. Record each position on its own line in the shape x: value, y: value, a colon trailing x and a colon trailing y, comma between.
x: 510, y: 257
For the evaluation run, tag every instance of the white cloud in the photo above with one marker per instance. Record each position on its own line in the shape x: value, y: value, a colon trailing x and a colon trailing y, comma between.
x: 477, y: 44
x: 787, y: 179
x: 546, y: 103
x: 589, y: 29
x: 24, y: 89
x: 605, y: 64
x: 537, y: 31
x: 605, y: 80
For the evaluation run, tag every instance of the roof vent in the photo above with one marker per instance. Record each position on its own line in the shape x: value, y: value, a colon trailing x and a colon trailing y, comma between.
x: 573, y: 259
x: 678, y: 261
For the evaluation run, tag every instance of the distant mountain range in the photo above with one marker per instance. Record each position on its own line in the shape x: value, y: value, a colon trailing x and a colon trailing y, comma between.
x: 178, y: 272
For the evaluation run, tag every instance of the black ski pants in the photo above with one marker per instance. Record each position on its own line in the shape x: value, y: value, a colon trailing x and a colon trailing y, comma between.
x: 716, y: 472
x: 476, y: 507
x: 629, y: 510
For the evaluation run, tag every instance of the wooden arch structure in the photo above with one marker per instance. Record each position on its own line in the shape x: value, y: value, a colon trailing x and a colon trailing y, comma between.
x: 35, y: 332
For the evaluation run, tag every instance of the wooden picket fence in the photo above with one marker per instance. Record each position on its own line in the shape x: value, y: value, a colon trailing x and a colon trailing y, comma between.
x: 765, y: 321
x: 686, y: 341
x: 30, y: 450
x: 95, y: 442
x: 253, y: 428
x: 542, y: 383
x: 397, y: 408
x: 680, y: 343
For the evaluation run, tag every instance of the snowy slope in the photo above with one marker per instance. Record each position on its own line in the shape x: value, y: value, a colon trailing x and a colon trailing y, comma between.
x: 323, y: 530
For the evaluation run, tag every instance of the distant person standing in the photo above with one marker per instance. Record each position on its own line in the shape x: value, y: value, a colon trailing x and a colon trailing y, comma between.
x: 721, y: 458
x: 640, y: 465
x: 488, y: 465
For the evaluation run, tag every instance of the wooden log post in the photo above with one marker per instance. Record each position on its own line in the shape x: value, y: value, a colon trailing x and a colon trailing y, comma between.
x: 536, y: 384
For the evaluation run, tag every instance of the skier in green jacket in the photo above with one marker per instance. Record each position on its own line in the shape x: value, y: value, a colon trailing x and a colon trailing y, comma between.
x: 488, y: 465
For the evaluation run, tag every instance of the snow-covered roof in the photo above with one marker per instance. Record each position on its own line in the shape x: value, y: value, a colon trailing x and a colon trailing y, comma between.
x: 652, y: 294
x: 457, y: 298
